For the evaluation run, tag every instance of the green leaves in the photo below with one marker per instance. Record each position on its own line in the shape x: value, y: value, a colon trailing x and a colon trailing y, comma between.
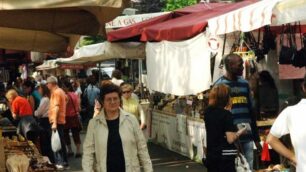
x: 88, y: 40
x: 177, y: 4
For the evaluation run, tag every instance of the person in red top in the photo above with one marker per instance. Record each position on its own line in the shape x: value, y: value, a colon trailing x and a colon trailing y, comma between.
x: 23, y: 113
x: 72, y: 120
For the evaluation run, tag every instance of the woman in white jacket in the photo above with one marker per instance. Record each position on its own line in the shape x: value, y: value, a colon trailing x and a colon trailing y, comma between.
x: 114, y: 141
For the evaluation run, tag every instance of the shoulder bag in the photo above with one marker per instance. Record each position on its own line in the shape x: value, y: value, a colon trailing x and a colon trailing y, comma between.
x: 287, y: 52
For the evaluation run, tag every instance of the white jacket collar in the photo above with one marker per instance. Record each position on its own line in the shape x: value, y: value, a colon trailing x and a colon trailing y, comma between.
x: 122, y: 116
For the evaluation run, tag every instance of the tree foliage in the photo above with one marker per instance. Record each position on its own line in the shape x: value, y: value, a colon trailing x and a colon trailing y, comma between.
x: 171, y: 5
x: 88, y: 40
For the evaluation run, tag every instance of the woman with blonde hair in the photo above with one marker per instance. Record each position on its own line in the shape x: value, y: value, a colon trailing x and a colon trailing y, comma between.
x: 131, y: 104
x: 221, y: 132
x: 23, y: 113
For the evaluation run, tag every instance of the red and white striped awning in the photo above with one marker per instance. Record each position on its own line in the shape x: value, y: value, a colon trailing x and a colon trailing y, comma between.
x: 257, y: 15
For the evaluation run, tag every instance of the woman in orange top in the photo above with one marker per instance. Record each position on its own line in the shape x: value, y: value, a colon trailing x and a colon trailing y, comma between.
x: 22, y: 112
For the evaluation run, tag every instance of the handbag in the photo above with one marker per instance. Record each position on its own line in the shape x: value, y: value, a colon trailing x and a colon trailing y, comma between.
x: 287, y: 52
x: 241, y: 164
x: 254, y: 45
x: 300, y: 57
x: 79, y: 123
x: 268, y: 40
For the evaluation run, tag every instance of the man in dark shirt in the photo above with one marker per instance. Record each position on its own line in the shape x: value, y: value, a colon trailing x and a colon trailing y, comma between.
x: 241, y: 104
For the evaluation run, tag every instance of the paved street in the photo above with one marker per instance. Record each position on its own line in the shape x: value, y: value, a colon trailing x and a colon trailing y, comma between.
x: 163, y: 161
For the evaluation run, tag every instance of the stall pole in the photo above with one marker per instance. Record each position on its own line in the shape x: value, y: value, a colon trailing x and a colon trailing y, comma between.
x: 140, y: 78
x: 99, y: 65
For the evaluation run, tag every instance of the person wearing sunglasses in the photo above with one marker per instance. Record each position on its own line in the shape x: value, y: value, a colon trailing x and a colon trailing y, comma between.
x: 130, y: 103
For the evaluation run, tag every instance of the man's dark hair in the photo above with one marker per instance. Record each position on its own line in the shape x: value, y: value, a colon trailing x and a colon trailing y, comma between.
x: 227, y: 59
x: 109, y: 88
x: 117, y: 74
x: 68, y: 86
x: 28, y: 83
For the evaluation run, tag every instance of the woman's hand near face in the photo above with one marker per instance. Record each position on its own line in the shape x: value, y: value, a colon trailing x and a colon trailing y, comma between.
x: 97, y: 108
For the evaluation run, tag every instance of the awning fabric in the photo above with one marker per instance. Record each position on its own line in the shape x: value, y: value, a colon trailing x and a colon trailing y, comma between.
x: 287, y: 11
x: 82, y: 17
x: 47, y: 65
x: 55, y: 22
x: 105, y: 51
x: 19, y: 39
x: 257, y: 15
x: 176, y: 26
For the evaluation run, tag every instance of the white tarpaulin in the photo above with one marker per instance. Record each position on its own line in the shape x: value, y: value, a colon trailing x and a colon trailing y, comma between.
x: 257, y: 15
x: 244, y: 19
x: 47, y: 65
x: 105, y: 51
x: 179, y: 68
x: 288, y: 11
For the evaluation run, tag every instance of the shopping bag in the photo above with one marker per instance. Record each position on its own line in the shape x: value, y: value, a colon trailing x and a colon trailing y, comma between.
x: 55, y: 141
x: 241, y: 163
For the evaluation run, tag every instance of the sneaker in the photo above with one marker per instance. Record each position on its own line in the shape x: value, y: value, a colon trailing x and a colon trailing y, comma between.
x: 60, y: 167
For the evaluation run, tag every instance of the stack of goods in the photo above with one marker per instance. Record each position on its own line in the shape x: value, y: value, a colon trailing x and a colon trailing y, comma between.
x: 18, y: 148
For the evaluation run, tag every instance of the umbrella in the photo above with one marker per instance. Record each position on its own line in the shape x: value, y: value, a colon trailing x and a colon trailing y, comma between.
x: 83, y: 17
x: 257, y: 15
x: 29, y: 40
x: 51, y: 25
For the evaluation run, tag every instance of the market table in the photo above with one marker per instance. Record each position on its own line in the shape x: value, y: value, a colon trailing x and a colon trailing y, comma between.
x: 8, y: 131
x: 179, y: 133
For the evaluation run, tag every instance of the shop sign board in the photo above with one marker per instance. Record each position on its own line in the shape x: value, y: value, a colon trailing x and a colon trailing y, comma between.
x: 123, y: 21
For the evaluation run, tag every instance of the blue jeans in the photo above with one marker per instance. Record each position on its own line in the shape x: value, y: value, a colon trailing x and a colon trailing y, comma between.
x: 61, y: 156
x: 247, y: 148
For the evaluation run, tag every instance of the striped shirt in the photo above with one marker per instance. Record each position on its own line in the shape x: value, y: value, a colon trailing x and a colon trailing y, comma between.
x: 241, y: 106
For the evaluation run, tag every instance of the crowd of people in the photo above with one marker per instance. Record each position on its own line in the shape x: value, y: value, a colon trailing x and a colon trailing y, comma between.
x: 64, y: 105
x: 114, y: 119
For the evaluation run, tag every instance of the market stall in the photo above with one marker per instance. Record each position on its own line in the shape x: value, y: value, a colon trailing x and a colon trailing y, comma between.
x: 251, y: 16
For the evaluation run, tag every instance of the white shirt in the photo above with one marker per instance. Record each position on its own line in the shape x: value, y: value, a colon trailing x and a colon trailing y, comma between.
x: 292, y: 120
x: 43, y: 108
x: 117, y: 81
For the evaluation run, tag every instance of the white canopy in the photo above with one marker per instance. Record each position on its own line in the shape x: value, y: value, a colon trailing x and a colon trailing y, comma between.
x: 105, y: 51
x: 47, y: 65
x: 257, y: 15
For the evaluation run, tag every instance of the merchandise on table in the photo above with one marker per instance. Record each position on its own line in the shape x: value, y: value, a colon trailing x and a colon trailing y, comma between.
x: 17, y: 147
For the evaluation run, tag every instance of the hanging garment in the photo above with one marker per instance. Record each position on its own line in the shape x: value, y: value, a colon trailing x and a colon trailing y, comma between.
x: 179, y: 68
